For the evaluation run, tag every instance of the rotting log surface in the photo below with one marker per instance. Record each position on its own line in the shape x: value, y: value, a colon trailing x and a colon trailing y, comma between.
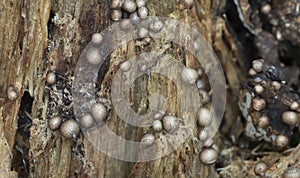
x: 41, y: 36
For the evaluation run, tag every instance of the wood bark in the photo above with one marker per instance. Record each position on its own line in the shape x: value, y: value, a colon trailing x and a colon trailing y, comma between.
x: 41, y: 36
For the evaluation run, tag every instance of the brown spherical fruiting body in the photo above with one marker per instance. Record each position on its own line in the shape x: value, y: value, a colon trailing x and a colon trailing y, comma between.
x: 142, y: 32
x: 51, y: 78
x: 258, y: 104
x: 97, y: 38
x: 11, y: 94
x: 204, y: 96
x: 290, y: 118
x: 170, y: 123
x: 140, y: 3
x: 291, y: 172
x: 99, y: 112
x: 281, y: 141
x: 204, y: 117
x: 135, y: 19
x: 116, y: 4
x: 203, y: 135
x: 265, y: 9
x: 116, y: 15
x: 125, y: 24
x: 94, y: 56
x: 125, y: 66
x: 258, y: 65
x: 156, y: 26
x: 252, y: 72
x: 143, y: 12
x: 260, y: 168
x: 54, y: 123
x: 259, y: 89
x: 263, y: 122
x: 69, y: 129
x: 157, y: 126
x: 189, y: 75
x: 294, y: 105
x: 86, y: 121
x: 188, y: 4
x: 147, y: 140
x: 129, y: 6
x: 208, y: 156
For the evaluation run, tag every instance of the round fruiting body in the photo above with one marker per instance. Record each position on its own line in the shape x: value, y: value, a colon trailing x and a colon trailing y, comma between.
x: 258, y: 65
x: 125, y: 24
x: 69, y: 129
x: 266, y: 9
x: 129, y: 6
x: 157, y: 126
x: 156, y: 26
x: 140, y: 3
x: 252, y: 72
x: 276, y: 85
x: 204, y: 96
x: 200, y: 84
x: 135, y: 19
x: 170, y: 123
x: 281, y: 141
x: 51, y: 78
x: 93, y: 56
x: 86, y: 121
x: 147, y: 140
x: 258, y: 104
x: 204, y: 117
x: 54, y: 123
x: 263, y: 122
x: 294, y: 105
x: 259, y: 89
x: 11, y: 94
x: 99, y: 112
x: 290, y: 118
x: 208, y: 156
x: 143, y: 12
x: 97, y: 38
x: 189, y: 75
x: 196, y: 47
x: 291, y: 172
x: 208, y: 143
x: 125, y: 66
x: 116, y: 15
x: 260, y: 168
x: 116, y: 4
x: 203, y: 135
x: 142, y: 32
x: 159, y: 115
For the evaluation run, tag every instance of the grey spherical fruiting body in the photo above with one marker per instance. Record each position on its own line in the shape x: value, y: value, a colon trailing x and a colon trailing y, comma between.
x: 258, y: 104
x: 11, y: 93
x: 135, y: 19
x: 266, y: 9
x: 94, y: 56
x: 54, y: 123
x: 258, y: 65
x: 203, y: 135
x: 116, y: 15
x: 99, y: 112
x: 281, y: 141
x: 290, y: 118
x: 125, y: 24
x: 196, y: 47
x: 204, y: 117
x: 263, y: 122
x: 51, y: 78
x: 86, y: 121
x: 125, y: 66
x: 97, y: 38
x: 157, y: 126
x: 70, y: 129
x: 129, y: 6
x: 208, y: 156
x: 294, y: 105
x: 189, y: 75
x: 143, y: 12
x: 156, y: 26
x: 188, y: 4
x: 159, y: 115
x: 142, y: 32
x: 291, y: 172
x: 260, y: 168
x: 147, y: 140
x: 200, y: 84
x: 170, y: 123
x: 140, y: 3
x: 146, y: 41
x: 208, y: 143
